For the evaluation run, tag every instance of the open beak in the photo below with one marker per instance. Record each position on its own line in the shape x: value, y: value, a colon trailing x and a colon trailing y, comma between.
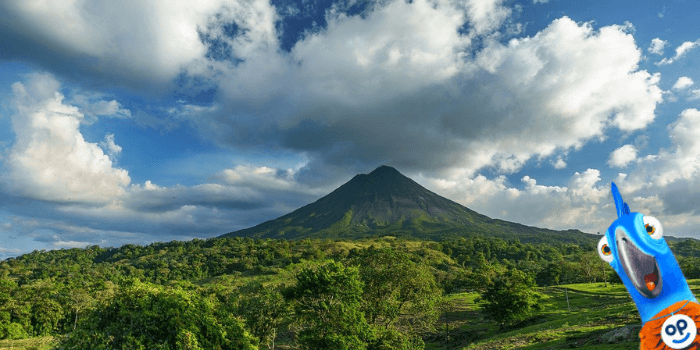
x: 642, y: 269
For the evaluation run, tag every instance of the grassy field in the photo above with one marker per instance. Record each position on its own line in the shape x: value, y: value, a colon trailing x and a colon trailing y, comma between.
x: 595, y: 317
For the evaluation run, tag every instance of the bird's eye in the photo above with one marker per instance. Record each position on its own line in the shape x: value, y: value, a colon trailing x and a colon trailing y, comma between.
x: 653, y: 227
x: 604, y: 250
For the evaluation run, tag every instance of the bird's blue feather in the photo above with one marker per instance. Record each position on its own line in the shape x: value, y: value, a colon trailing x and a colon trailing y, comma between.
x: 674, y: 287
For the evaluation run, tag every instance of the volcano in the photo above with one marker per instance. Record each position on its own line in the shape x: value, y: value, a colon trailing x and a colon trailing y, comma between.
x: 387, y: 203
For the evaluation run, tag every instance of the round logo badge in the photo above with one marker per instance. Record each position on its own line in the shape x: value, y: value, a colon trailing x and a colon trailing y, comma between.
x: 678, y: 331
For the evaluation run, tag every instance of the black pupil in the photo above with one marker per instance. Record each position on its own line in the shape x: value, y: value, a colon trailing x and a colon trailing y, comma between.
x: 606, y: 250
x: 650, y: 229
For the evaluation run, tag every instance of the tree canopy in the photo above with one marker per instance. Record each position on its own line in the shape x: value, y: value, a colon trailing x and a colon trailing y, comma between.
x: 147, y: 316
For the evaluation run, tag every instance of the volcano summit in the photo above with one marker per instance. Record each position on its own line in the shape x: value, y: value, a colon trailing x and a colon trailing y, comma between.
x: 385, y: 202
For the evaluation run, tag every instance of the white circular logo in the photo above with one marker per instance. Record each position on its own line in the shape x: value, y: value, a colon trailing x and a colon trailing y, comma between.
x: 678, y: 331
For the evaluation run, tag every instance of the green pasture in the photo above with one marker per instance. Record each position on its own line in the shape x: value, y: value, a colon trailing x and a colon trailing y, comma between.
x: 595, y: 317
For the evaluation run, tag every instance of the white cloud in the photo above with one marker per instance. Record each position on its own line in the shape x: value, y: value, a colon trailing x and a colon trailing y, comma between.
x: 7, y: 251
x: 684, y: 161
x: 685, y: 47
x: 74, y: 191
x: 161, y: 40
x: 94, y: 106
x: 666, y: 186
x: 400, y: 69
x: 112, y: 148
x: 486, y: 15
x: 50, y: 160
x: 560, y: 163
x: 259, y: 177
x: 382, y: 88
x: 549, y: 98
x: 657, y: 46
x: 153, y: 198
x: 582, y: 190
x: 622, y: 156
x: 694, y: 94
x: 397, y: 49
x: 580, y: 204
x: 680, y: 52
x: 664, y: 61
x: 683, y: 83
x: 672, y: 175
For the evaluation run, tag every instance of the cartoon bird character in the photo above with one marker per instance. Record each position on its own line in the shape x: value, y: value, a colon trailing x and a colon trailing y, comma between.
x: 635, y: 248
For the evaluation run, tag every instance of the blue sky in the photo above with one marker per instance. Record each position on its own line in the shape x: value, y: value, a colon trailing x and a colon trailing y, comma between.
x: 172, y: 120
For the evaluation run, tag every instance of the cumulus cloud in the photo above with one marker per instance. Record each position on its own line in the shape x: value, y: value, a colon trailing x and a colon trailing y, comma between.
x: 657, y: 46
x: 681, y: 51
x: 622, y: 156
x: 400, y: 83
x: 356, y: 60
x: 50, y: 160
x: 381, y: 88
x: 72, y: 190
x: 665, y: 185
x: 486, y: 15
x: 580, y: 204
x: 559, y: 164
x: 547, y: 98
x: 673, y: 174
x: 81, y: 38
x: 682, y: 83
x: 684, y: 161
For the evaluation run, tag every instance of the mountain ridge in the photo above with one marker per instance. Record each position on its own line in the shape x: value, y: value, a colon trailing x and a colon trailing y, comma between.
x: 385, y: 202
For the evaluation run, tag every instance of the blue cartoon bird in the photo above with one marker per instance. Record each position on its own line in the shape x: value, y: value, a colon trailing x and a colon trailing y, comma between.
x: 635, y: 248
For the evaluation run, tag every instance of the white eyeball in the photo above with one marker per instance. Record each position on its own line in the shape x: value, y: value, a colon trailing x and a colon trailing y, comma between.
x: 604, y: 250
x: 653, y: 227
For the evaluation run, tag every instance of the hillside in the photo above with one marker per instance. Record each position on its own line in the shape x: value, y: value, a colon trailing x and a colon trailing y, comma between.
x: 47, y: 294
x: 385, y: 202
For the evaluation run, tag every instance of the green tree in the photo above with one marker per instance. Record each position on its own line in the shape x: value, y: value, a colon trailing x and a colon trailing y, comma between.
x: 509, y: 297
x: 485, y: 273
x: 12, y: 331
x: 690, y: 266
x: 550, y: 275
x: 394, y: 285
x: 588, y: 263
x: 146, y: 316
x: 80, y: 301
x: 46, y: 313
x: 327, y: 301
x: 264, y: 309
